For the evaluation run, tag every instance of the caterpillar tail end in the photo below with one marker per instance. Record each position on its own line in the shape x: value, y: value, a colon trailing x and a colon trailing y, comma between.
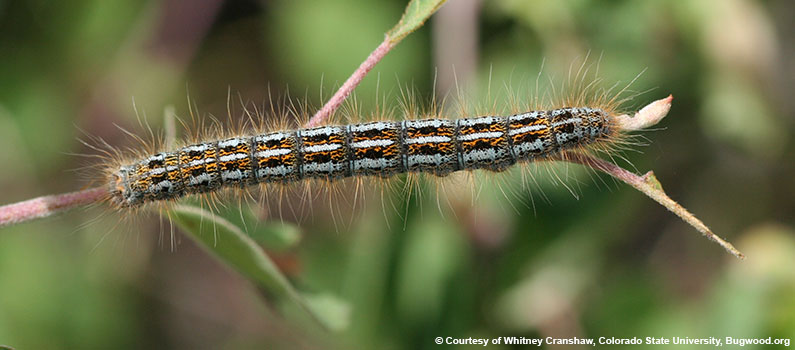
x: 646, y: 116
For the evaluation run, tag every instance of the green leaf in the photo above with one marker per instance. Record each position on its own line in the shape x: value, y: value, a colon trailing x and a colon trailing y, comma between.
x: 417, y: 12
x: 231, y: 245
x: 278, y: 236
x: 228, y: 243
x: 273, y: 235
x: 333, y: 312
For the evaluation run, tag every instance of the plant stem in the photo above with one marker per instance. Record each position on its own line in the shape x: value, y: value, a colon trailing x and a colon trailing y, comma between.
x: 649, y: 185
x: 48, y: 205
x: 345, y: 90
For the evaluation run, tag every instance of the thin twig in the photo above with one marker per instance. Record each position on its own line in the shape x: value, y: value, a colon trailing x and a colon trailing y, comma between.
x: 350, y: 84
x: 649, y: 185
x: 48, y: 205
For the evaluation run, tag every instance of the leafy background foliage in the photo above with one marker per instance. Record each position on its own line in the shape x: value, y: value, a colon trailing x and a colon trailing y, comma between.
x: 609, y: 262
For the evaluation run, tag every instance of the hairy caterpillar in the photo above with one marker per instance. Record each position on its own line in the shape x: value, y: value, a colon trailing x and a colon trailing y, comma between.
x: 436, y: 146
x: 379, y: 148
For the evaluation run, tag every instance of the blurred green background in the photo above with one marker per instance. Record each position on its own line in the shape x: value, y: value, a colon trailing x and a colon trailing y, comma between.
x: 591, y: 258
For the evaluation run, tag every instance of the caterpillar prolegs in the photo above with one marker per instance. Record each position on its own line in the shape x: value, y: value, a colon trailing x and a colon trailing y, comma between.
x: 380, y: 148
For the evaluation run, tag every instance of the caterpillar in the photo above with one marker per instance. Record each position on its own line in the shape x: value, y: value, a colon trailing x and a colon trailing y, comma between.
x: 378, y: 149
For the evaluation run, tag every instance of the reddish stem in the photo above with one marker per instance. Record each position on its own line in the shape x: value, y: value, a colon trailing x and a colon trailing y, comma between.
x: 650, y: 187
x: 48, y: 205
x: 345, y: 90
